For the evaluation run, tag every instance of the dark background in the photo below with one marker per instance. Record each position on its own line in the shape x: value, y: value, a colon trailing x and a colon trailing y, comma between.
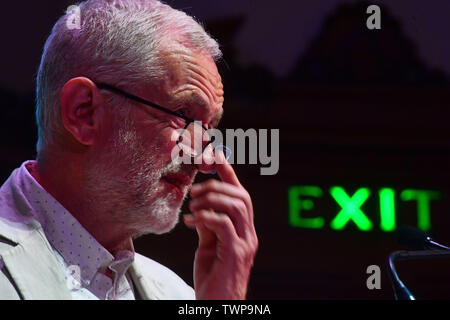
x: 355, y: 108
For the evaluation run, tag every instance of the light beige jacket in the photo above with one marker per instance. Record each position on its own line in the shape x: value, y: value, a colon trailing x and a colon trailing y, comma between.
x: 29, y: 268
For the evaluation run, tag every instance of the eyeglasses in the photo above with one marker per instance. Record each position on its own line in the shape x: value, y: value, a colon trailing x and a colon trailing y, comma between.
x: 192, y: 128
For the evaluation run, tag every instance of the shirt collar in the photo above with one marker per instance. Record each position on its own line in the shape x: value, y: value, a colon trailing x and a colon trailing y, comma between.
x: 66, y: 235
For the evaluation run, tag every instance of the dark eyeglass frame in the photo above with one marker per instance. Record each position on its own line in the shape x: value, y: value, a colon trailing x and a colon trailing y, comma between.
x: 188, y: 120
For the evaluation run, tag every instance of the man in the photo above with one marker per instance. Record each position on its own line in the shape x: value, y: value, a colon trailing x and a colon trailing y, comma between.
x: 111, y: 96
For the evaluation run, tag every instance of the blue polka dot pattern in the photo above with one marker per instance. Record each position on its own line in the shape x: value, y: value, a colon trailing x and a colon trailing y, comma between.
x: 74, y: 246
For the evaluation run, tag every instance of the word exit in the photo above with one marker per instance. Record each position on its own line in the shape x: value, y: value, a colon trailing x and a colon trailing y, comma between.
x: 301, y: 199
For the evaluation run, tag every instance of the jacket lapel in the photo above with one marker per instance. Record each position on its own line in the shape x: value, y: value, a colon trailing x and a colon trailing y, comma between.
x: 145, y: 286
x: 35, y: 269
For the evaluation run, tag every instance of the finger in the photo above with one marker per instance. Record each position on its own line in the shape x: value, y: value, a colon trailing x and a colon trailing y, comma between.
x: 207, y: 238
x: 233, y: 207
x: 214, y: 185
x: 228, y: 242
x: 220, y: 224
x: 226, y: 171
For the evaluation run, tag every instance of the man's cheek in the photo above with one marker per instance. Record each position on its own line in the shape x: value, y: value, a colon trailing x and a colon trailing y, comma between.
x: 159, y: 141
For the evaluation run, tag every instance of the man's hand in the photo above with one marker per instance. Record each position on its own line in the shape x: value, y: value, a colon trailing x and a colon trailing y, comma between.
x: 223, y: 217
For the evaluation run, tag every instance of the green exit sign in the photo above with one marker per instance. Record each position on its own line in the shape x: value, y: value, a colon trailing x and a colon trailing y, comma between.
x: 303, y: 198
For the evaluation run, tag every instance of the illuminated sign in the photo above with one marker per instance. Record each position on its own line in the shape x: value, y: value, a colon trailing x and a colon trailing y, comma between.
x: 301, y: 200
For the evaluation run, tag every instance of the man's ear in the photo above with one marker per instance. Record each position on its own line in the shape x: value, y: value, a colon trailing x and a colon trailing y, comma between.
x: 80, y: 102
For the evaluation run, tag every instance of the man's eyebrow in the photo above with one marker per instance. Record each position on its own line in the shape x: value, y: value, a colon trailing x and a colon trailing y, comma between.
x: 196, y: 99
x: 192, y: 99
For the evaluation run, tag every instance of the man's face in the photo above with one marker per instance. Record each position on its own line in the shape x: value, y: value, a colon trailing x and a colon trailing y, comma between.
x: 135, y: 168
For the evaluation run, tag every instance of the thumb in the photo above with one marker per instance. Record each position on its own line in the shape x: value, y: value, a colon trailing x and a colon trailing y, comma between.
x: 207, y: 238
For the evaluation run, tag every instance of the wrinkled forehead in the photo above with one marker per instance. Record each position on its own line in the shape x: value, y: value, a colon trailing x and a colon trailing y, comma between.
x: 194, y: 72
x: 183, y: 59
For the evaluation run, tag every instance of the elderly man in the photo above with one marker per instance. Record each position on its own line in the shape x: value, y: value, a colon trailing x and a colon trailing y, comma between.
x: 111, y: 95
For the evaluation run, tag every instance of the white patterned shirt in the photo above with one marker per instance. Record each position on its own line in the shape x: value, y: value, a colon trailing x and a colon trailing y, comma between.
x: 83, y: 259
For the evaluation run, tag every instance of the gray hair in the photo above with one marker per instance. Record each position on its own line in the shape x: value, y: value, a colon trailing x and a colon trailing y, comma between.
x: 119, y: 42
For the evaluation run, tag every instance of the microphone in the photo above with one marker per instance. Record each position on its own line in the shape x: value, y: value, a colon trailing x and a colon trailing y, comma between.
x: 414, y: 239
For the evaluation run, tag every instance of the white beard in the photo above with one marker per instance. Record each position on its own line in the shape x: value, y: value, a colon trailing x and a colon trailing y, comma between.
x: 126, y: 180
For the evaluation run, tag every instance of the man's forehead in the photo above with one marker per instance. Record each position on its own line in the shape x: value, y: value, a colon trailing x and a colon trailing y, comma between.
x: 184, y: 63
x: 193, y: 76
